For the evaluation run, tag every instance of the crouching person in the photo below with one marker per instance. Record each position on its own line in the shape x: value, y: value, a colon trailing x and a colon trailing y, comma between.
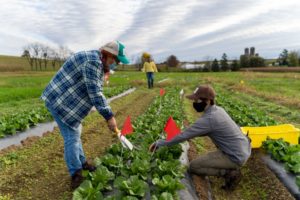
x: 233, y: 147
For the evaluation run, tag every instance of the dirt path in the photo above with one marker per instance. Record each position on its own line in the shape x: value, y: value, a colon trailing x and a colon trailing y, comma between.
x: 38, y: 170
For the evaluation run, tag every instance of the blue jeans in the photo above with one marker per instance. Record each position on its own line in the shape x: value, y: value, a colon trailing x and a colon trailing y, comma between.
x: 150, y: 79
x: 74, y: 155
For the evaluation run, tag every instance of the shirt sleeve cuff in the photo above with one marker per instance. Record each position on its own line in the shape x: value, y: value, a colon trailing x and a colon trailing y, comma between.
x: 160, y: 143
x: 108, y: 116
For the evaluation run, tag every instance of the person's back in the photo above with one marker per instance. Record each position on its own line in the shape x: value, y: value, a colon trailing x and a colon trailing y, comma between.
x: 69, y: 75
x: 226, y: 135
x: 68, y: 88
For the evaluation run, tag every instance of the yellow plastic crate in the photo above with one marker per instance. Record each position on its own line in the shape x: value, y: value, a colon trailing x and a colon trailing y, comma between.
x: 259, y: 134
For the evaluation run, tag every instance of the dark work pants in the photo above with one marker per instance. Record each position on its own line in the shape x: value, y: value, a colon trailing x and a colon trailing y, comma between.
x: 150, y: 79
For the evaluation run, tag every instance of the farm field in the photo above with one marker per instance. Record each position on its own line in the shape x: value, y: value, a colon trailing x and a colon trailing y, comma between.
x: 37, y: 170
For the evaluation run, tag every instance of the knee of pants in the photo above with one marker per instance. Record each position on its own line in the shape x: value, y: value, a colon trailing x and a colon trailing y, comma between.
x: 193, y: 170
x: 193, y: 166
x: 72, y: 141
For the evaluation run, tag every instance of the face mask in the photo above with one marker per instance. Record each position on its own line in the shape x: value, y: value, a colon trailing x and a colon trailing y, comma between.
x: 112, y: 66
x: 199, y: 107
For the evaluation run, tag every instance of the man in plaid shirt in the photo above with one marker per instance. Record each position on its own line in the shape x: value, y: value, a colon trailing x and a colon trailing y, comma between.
x: 71, y: 94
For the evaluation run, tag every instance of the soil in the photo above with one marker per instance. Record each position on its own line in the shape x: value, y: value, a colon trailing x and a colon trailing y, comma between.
x: 38, y: 170
x: 258, y: 181
x: 200, y: 183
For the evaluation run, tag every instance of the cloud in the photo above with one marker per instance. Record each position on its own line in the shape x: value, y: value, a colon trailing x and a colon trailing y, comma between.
x: 191, y: 29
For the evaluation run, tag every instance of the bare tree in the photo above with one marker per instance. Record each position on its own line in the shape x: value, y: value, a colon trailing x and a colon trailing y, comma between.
x: 54, y: 57
x: 64, y: 52
x: 45, y: 55
x: 27, y: 53
x: 138, y: 63
x: 172, y: 61
x: 39, y: 54
x: 36, y: 49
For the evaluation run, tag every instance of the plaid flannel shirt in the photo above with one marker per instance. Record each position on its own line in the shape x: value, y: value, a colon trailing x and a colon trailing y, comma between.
x: 77, y: 87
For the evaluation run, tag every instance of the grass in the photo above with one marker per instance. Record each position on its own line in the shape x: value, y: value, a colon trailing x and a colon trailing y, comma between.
x: 18, y: 89
x: 21, y: 91
x: 17, y: 63
x: 282, y: 86
x: 13, y: 63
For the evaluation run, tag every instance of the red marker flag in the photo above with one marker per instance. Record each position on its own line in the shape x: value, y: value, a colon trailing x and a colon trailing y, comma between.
x: 171, y: 129
x: 162, y: 92
x: 127, y: 127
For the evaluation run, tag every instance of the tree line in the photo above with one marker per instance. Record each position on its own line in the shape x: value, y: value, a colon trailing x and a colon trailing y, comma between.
x: 285, y: 58
x: 41, y: 57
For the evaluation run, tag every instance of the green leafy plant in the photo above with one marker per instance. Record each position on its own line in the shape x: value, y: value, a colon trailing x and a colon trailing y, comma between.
x: 167, y: 184
x: 133, y: 186
x: 86, y: 191
x: 284, y: 152
x: 101, y: 176
x: 163, y: 196
x: 172, y: 168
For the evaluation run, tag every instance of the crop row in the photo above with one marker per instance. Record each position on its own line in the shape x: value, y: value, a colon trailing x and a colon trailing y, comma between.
x: 139, y: 174
x: 243, y: 114
x: 284, y: 152
x: 17, y: 122
x: 248, y: 115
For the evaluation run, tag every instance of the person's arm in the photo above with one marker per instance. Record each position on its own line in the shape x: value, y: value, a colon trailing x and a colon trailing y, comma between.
x: 93, y: 78
x: 200, y: 128
x: 154, y: 67
x: 144, y: 67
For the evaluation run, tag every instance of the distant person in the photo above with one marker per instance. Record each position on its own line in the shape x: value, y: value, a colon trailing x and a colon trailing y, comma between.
x: 234, y: 147
x: 71, y: 94
x: 149, y: 67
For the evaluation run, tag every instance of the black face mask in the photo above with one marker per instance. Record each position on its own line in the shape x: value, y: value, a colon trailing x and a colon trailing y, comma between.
x: 199, y: 107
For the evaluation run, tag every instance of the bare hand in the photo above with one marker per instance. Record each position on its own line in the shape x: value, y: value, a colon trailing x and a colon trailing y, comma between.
x: 153, y: 147
x: 112, y: 124
x: 106, y: 76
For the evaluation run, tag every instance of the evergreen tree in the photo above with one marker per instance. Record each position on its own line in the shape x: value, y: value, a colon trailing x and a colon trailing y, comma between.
x: 224, y: 62
x: 235, y: 65
x: 283, y: 57
x: 215, y: 66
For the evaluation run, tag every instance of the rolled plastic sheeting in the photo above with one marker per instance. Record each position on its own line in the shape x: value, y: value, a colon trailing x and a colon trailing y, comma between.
x: 189, y: 192
x: 287, y: 178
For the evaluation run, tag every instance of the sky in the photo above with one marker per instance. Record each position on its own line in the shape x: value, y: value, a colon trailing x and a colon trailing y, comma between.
x: 192, y: 30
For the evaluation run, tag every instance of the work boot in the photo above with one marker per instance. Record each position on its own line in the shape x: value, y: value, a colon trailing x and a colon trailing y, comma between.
x: 89, y: 166
x: 76, y: 179
x: 232, y: 179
